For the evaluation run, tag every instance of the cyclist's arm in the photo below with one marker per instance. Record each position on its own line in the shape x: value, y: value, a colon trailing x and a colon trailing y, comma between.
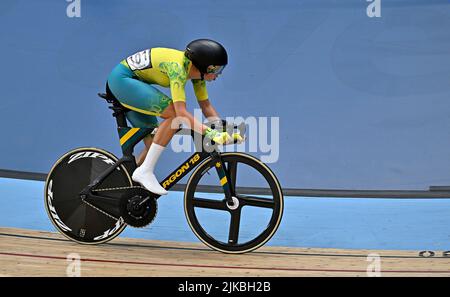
x: 183, y: 116
x: 208, y: 110
x: 202, y: 97
x: 187, y: 118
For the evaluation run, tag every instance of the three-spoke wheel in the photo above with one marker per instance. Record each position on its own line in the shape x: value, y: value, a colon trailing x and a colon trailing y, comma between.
x: 246, y: 224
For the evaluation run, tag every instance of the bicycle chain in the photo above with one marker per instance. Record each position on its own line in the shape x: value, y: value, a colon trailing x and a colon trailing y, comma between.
x: 101, y: 211
x: 112, y: 189
x: 119, y: 188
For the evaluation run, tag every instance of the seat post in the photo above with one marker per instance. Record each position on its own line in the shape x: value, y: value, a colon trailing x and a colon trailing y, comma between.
x: 119, y: 114
x: 128, y: 136
x: 119, y: 110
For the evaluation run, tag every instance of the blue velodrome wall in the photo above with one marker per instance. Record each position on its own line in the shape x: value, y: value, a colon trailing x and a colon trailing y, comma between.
x: 362, y: 102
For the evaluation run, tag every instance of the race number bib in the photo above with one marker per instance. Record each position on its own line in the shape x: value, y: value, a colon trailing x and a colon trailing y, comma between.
x: 140, y: 60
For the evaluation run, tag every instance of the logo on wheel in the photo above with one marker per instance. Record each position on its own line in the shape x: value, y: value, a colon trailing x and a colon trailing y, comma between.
x: 52, y: 209
x: 109, y: 232
x: 82, y: 155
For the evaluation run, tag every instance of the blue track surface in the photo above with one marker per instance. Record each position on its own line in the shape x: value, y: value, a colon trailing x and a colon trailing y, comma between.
x: 408, y: 224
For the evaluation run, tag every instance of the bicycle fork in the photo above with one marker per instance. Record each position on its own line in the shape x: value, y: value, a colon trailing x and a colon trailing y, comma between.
x: 224, y: 178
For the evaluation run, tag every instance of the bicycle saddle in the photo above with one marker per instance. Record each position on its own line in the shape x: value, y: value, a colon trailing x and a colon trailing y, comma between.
x: 106, y: 97
x: 110, y: 98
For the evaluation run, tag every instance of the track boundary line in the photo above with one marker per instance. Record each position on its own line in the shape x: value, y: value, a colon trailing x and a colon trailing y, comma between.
x: 208, y: 250
x: 219, y: 267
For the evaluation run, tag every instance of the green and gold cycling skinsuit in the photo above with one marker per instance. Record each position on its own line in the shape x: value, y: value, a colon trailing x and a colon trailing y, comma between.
x: 131, y: 83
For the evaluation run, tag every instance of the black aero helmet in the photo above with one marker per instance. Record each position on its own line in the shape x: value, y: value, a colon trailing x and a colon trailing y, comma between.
x: 206, y: 52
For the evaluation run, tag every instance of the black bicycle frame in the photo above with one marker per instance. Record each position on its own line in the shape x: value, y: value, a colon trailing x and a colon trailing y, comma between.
x: 172, y: 179
x: 130, y: 137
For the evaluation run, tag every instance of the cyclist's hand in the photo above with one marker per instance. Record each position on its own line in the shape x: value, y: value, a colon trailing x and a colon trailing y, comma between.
x: 218, y: 137
x: 237, y: 138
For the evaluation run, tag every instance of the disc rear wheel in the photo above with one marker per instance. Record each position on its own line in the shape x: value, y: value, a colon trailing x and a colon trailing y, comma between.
x: 69, y: 214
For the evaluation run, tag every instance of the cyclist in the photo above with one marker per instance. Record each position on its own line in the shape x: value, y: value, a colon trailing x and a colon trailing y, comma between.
x: 131, y: 82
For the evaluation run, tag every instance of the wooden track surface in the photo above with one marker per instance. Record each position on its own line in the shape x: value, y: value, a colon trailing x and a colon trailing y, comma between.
x: 37, y: 253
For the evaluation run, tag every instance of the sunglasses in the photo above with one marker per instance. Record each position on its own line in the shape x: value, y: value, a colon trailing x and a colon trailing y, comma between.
x: 215, y: 69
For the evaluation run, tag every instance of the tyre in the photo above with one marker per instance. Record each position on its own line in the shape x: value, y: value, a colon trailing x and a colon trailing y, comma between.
x: 69, y: 214
x: 244, y: 226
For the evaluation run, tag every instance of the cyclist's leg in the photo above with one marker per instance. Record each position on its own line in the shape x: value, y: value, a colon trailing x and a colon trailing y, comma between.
x: 141, y: 120
x: 165, y: 131
x: 144, y: 101
x: 148, y: 140
x: 147, y: 100
x: 137, y: 96
x: 144, y: 173
x: 167, y: 128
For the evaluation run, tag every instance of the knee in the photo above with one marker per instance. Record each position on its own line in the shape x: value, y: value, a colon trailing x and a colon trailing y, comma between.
x: 169, y: 113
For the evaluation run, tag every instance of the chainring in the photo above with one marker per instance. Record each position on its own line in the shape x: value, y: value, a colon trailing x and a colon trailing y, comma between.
x: 134, y: 211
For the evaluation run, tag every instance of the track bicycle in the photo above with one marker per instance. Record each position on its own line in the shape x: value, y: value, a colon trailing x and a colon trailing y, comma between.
x: 90, y: 196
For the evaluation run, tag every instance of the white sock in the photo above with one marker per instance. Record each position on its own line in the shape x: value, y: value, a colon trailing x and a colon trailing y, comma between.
x: 152, y: 157
x: 144, y: 173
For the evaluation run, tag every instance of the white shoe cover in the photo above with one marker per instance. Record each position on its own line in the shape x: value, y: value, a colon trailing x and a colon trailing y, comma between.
x: 149, y: 181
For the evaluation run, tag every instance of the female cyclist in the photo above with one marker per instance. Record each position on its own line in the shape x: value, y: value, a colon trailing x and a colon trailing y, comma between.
x: 131, y: 82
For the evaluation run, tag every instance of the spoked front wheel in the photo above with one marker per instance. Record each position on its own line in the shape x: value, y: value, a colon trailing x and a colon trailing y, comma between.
x: 247, y: 224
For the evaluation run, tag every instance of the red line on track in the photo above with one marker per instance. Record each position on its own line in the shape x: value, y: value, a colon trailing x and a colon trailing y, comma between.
x: 218, y: 267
